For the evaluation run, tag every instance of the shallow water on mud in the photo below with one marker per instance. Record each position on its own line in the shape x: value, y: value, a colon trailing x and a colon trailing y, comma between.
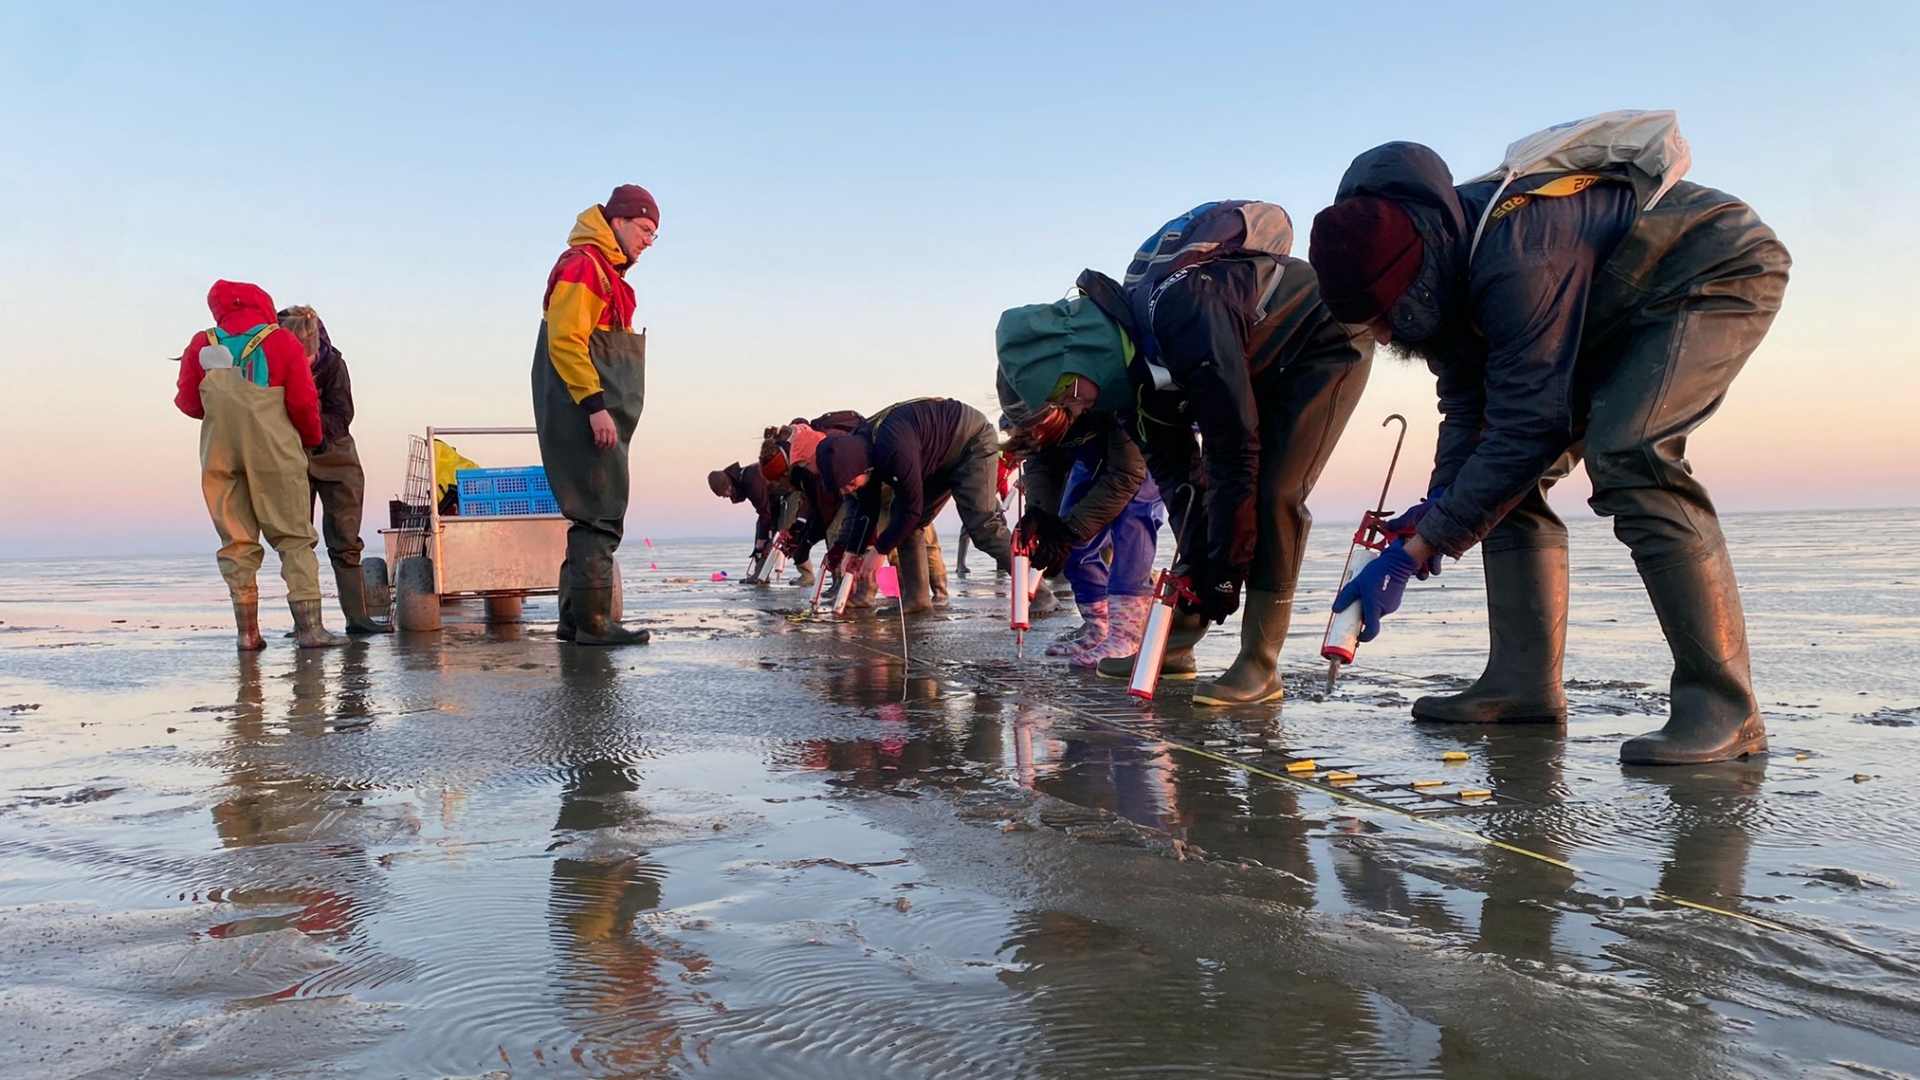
x: 761, y: 846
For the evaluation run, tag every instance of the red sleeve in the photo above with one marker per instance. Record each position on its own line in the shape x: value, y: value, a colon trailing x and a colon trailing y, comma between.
x: 287, y: 368
x: 186, y: 388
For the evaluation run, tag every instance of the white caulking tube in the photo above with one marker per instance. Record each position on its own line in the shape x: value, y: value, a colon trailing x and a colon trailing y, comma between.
x: 779, y: 563
x: 850, y: 565
x: 1020, y: 618
x: 819, y: 584
x: 1342, y: 641
x: 1153, y: 640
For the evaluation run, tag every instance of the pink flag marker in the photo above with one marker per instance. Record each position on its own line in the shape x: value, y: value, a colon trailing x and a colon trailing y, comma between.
x: 888, y: 578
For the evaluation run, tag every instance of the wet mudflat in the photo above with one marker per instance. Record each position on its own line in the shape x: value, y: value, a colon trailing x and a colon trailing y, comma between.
x: 763, y: 847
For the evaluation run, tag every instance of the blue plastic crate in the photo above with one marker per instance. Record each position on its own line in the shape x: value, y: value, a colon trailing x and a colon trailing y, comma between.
x: 507, y: 505
x: 520, y: 480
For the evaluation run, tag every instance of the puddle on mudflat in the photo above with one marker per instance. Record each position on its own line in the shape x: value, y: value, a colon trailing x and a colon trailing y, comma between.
x: 763, y: 846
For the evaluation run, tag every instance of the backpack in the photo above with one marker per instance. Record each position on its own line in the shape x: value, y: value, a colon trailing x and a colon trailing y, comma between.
x: 1215, y: 230
x: 241, y: 350
x: 1648, y: 140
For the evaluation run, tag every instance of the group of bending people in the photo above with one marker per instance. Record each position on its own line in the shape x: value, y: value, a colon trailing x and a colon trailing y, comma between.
x: 1594, y: 314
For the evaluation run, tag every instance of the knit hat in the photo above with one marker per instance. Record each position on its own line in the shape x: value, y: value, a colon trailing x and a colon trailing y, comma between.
x: 1366, y: 253
x: 721, y: 483
x: 632, y: 201
x: 839, y: 459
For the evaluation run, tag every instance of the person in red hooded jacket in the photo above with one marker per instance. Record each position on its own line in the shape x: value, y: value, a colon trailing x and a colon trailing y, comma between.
x: 247, y: 381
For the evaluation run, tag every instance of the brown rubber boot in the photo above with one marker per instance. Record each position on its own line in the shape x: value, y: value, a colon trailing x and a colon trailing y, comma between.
x: 352, y: 583
x: 1188, y: 629
x: 246, y: 620
x: 1714, y: 716
x: 915, y: 592
x: 936, y: 568
x: 593, y: 619
x: 1527, y: 628
x: 567, y: 626
x: 309, y: 627
x: 1254, y: 676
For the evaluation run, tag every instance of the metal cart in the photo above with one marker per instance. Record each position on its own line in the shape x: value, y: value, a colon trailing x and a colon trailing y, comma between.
x: 500, y: 559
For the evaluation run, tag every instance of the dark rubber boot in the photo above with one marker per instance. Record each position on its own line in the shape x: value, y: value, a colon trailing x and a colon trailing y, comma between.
x: 1527, y: 628
x: 915, y: 592
x: 1188, y: 629
x: 246, y: 621
x: 309, y: 630
x: 352, y: 583
x: 593, y: 619
x: 1714, y: 715
x: 804, y: 578
x: 1254, y: 676
x: 568, y: 625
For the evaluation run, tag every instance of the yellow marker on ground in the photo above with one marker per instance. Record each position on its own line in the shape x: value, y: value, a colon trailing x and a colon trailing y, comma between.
x: 1454, y: 755
x: 1428, y: 783
x: 1475, y: 793
x: 1341, y: 777
x: 1301, y: 766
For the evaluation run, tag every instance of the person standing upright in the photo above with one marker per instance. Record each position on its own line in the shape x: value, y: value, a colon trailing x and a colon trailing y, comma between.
x: 589, y: 383
x: 248, y: 383
x: 334, y: 476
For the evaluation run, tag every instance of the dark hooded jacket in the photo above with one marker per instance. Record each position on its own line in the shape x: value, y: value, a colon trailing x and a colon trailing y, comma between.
x: 336, y: 389
x: 1221, y: 358
x: 1527, y: 324
x: 907, y: 444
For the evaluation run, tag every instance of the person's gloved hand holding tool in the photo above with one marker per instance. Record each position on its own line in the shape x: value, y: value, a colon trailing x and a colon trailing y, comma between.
x: 834, y: 555
x: 1047, y: 538
x: 1409, y: 520
x: 1378, y: 588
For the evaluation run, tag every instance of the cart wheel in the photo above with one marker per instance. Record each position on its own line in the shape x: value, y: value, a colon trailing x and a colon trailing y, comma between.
x: 619, y: 594
x: 504, y: 609
x: 416, y: 609
x: 379, y: 587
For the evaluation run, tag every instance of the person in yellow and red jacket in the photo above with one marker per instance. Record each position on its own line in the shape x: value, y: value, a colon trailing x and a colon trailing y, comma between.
x: 589, y: 382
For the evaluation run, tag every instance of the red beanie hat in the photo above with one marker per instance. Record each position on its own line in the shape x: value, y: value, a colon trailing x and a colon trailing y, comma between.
x: 1366, y: 253
x: 632, y: 201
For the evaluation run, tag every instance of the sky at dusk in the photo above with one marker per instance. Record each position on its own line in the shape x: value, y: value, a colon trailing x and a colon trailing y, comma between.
x: 850, y: 194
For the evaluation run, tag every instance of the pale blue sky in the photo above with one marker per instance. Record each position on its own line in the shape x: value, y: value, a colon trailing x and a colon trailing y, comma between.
x: 849, y: 196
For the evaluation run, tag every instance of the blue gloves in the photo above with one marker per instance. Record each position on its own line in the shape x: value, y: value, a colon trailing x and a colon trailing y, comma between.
x: 1409, y: 520
x: 1378, y: 588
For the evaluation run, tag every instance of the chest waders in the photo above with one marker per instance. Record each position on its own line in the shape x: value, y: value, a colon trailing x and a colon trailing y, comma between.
x: 253, y: 474
x: 1673, y: 315
x: 590, y: 484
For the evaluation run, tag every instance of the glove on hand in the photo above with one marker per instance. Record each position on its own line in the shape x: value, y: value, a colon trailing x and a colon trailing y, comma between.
x: 759, y: 550
x: 1050, y: 540
x: 1409, y: 521
x: 1219, y: 600
x: 794, y: 540
x: 834, y: 555
x: 1378, y: 588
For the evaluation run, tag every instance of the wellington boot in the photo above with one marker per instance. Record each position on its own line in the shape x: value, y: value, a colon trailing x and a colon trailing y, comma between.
x: 1714, y: 716
x: 1093, y: 630
x: 1254, y: 676
x: 1127, y: 617
x: 1527, y: 628
x: 593, y: 619
x: 1044, y: 601
x: 246, y: 621
x: 565, y: 629
x: 309, y: 631
x: 352, y: 583
x: 915, y: 593
x: 803, y: 576
x: 936, y: 569
x: 1188, y: 628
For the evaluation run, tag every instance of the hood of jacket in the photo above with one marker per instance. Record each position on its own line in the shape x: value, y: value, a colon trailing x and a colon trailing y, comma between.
x: 1418, y: 180
x: 591, y: 229
x: 237, y: 306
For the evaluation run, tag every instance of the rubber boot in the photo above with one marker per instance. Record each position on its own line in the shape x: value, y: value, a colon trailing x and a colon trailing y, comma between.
x: 1714, y: 715
x: 1527, y: 631
x: 593, y: 619
x: 915, y: 596
x: 936, y: 569
x: 246, y: 620
x: 1126, y: 618
x: 352, y: 583
x: 804, y: 578
x: 1044, y: 601
x: 1188, y: 628
x: 568, y: 625
x: 1254, y: 675
x: 309, y: 630
x: 1094, y: 624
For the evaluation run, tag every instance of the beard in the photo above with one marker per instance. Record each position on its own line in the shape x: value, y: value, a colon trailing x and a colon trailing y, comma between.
x: 1436, y: 352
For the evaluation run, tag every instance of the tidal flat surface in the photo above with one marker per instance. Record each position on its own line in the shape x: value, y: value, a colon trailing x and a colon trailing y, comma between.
x: 764, y: 846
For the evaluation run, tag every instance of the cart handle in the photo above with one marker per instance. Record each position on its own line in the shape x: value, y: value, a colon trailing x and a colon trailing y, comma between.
x: 480, y: 431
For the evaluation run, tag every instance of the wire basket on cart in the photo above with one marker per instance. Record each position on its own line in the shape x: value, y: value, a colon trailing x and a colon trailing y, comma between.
x: 412, y: 512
